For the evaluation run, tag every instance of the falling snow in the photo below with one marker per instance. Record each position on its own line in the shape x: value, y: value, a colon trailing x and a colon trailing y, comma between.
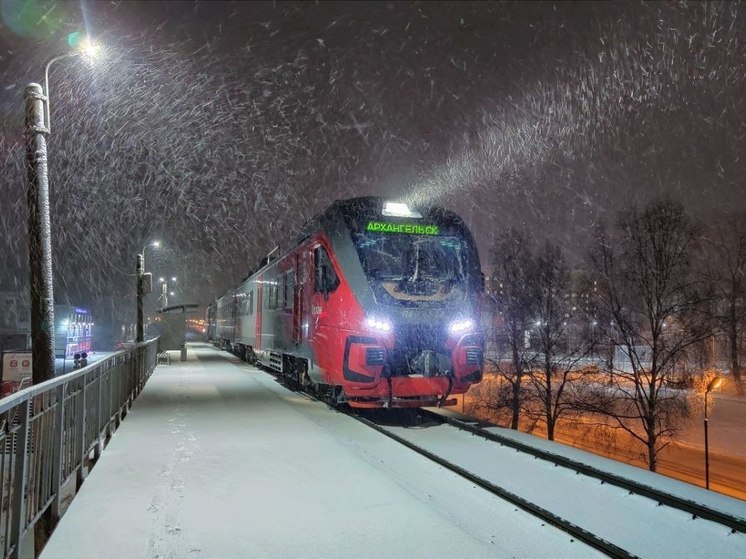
x: 220, y: 128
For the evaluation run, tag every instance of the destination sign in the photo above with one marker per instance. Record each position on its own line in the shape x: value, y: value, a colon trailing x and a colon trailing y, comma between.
x: 407, y: 228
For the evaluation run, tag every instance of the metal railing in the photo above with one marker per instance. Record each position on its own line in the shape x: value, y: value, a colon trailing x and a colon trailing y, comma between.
x: 54, y: 431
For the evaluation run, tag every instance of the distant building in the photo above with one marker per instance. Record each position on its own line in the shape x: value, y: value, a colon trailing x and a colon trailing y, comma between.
x: 73, y: 326
x: 14, y: 312
x: 73, y: 330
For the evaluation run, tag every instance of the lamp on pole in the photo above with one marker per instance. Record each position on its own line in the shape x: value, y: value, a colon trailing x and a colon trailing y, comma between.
x: 154, y: 244
x: 714, y: 383
x: 142, y: 286
x: 165, y: 291
x: 39, y: 230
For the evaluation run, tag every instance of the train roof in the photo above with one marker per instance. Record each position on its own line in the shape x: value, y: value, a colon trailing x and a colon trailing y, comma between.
x: 372, y: 207
x: 363, y: 207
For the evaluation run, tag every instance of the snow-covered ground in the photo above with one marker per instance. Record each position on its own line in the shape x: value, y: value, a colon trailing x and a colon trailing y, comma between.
x: 635, y: 523
x: 217, y: 460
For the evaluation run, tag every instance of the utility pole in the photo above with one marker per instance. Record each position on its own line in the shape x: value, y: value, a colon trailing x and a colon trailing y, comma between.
x: 140, y: 281
x: 39, y: 237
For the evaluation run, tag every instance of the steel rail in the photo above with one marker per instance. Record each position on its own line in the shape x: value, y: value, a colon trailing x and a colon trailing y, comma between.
x: 697, y: 510
x: 574, y: 530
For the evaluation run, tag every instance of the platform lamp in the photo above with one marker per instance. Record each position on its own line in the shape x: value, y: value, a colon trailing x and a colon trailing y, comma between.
x: 37, y: 128
x: 144, y: 286
x: 713, y: 384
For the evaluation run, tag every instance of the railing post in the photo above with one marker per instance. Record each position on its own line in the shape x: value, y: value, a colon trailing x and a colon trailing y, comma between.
x: 18, y: 514
x: 116, y: 399
x: 97, y: 450
x: 80, y: 429
x: 59, y: 423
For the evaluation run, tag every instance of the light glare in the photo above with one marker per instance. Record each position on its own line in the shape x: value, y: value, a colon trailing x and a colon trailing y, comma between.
x: 398, y: 209
x: 90, y: 49
x: 461, y: 326
x: 376, y: 324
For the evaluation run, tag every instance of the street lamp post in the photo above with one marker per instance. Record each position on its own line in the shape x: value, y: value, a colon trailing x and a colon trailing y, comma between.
x: 154, y: 244
x: 714, y: 383
x: 141, y: 279
x: 39, y: 229
x: 165, y: 292
x: 140, y: 268
x: 39, y: 238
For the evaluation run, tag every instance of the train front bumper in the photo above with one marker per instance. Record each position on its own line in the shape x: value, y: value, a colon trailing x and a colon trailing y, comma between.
x: 376, y: 376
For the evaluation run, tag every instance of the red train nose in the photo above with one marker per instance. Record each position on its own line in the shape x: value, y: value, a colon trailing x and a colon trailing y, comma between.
x: 364, y: 359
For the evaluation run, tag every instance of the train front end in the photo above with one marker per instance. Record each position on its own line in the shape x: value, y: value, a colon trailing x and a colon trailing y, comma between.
x: 418, y: 282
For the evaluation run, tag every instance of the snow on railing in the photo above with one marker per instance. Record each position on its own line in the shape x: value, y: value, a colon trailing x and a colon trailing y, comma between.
x: 56, y: 430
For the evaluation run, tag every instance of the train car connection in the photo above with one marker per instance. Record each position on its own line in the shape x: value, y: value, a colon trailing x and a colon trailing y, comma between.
x: 375, y: 305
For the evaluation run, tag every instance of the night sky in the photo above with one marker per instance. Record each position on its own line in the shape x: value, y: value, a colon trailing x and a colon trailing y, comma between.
x: 220, y: 127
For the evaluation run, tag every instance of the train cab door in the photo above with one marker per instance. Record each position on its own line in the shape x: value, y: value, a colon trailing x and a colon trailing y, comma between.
x: 299, y: 266
x: 325, y: 282
x: 235, y: 319
x: 302, y: 323
x: 259, y: 301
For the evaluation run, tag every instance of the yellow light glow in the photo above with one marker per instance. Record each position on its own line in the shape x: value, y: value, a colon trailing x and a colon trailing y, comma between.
x: 90, y: 49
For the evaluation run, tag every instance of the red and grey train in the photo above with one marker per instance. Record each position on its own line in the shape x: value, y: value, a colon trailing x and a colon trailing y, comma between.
x: 376, y: 305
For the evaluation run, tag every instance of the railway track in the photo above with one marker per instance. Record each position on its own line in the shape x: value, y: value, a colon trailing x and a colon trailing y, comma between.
x: 735, y: 523
x: 573, y: 530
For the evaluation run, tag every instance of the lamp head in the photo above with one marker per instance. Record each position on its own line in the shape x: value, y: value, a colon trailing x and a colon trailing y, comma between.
x: 714, y: 383
x: 83, y: 44
x: 90, y: 49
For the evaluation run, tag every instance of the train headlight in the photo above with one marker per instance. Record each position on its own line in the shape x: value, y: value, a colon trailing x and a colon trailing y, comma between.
x: 461, y: 326
x: 399, y: 209
x: 378, y: 324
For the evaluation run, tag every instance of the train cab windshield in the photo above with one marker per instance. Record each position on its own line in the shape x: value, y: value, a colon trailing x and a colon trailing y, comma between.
x: 407, y: 268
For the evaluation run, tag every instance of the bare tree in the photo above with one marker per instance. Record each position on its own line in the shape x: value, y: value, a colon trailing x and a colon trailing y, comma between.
x: 726, y: 269
x: 563, y: 338
x: 514, y: 297
x: 652, y: 308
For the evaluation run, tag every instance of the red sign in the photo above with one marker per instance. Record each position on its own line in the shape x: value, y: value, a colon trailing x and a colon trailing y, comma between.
x: 16, y: 366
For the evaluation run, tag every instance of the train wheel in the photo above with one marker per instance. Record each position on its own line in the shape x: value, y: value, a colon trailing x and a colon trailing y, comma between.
x: 331, y: 395
x: 250, y: 356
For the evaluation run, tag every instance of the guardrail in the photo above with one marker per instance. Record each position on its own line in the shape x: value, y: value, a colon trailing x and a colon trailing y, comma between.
x: 54, y: 431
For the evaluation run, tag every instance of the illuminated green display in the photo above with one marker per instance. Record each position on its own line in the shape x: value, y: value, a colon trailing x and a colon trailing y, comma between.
x: 408, y: 228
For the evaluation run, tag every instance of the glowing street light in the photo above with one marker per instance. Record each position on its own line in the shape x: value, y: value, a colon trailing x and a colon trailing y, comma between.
x: 84, y: 47
x: 154, y: 244
x: 714, y: 383
x: 143, y: 287
x: 165, y: 292
x: 41, y: 288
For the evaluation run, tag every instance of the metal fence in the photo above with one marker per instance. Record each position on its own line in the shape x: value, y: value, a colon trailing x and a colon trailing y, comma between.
x: 52, y: 433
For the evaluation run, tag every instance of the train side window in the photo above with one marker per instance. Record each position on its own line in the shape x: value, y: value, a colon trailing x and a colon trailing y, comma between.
x: 289, y: 286
x: 281, y: 293
x: 251, y: 302
x: 325, y: 279
x: 273, y: 296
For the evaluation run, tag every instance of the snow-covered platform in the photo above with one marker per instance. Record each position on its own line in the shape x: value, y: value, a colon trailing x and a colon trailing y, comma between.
x: 216, y: 459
